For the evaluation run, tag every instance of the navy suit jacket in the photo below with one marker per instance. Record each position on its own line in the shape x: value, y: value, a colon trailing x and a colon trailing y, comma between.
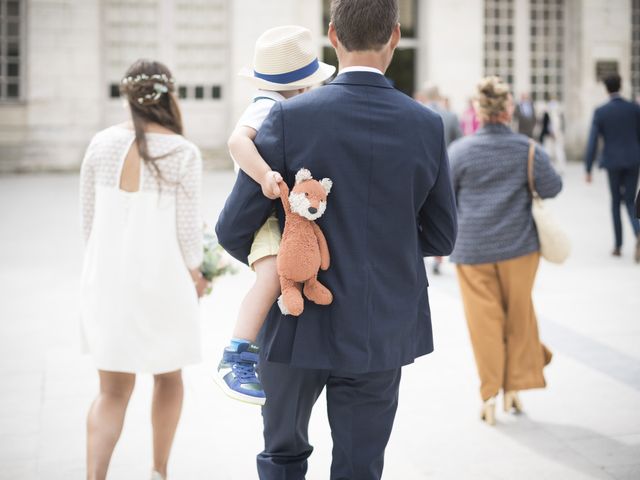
x: 392, y: 203
x: 618, y: 123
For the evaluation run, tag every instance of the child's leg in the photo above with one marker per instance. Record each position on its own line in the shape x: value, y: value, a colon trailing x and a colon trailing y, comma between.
x: 259, y: 299
x: 236, y: 373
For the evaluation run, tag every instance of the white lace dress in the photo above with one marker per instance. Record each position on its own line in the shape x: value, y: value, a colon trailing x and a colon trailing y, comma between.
x: 138, y: 303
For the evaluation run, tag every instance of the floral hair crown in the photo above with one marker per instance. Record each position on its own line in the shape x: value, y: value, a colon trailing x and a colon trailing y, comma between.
x: 161, y: 84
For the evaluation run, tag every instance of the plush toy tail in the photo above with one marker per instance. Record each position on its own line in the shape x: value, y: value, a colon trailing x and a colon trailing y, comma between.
x: 284, y: 196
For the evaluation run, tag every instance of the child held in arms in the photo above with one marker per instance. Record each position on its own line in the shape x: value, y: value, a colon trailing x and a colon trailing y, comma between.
x: 285, y: 65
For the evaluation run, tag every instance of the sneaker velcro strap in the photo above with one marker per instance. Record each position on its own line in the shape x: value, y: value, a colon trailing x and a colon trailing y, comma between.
x: 235, y: 357
x: 249, y: 357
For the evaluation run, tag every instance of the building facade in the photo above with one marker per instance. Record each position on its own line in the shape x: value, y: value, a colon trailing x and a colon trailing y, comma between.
x: 61, y: 61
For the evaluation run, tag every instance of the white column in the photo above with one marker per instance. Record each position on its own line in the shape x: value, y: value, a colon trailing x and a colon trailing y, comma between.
x: 422, y: 51
x: 451, y: 47
x: 522, y: 53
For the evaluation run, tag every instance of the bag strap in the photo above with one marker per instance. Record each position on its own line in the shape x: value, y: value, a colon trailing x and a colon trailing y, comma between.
x: 530, y: 163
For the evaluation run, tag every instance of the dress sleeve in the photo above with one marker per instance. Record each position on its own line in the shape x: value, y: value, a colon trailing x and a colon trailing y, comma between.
x: 188, y: 210
x: 87, y: 191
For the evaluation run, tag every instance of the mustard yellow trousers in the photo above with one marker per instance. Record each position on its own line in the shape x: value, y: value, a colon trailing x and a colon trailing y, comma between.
x: 502, y: 324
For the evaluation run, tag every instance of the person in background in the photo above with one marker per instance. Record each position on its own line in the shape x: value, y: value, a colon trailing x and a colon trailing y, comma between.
x: 431, y: 98
x: 618, y: 123
x: 497, y: 251
x: 525, y: 116
x: 140, y: 194
x: 469, y: 121
x: 552, y: 135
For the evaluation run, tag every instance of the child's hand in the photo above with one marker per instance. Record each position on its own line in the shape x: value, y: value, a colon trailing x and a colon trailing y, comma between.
x: 269, y: 184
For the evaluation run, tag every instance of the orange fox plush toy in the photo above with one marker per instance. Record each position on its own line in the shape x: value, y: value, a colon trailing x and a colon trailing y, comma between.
x: 303, y: 250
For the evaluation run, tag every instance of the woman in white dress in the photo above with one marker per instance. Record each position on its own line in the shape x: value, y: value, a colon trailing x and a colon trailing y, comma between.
x: 140, y: 192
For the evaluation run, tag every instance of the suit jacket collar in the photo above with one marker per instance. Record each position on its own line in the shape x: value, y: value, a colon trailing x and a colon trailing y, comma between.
x: 369, y: 79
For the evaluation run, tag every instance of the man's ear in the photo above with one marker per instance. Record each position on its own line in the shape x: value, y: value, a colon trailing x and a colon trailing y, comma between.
x: 395, y: 37
x: 333, y: 36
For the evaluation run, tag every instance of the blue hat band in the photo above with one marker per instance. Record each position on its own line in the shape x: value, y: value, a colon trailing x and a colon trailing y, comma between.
x: 290, y: 77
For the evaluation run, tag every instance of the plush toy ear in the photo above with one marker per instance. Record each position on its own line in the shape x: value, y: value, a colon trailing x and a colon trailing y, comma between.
x: 302, y: 175
x: 326, y: 184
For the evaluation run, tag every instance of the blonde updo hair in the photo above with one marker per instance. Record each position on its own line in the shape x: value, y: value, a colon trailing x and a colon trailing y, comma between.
x: 492, y: 98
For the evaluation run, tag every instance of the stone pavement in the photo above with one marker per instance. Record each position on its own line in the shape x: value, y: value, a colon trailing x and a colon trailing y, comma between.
x: 585, y: 425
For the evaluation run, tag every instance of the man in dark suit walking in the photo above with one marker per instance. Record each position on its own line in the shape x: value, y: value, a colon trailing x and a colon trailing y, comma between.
x: 391, y: 204
x: 618, y: 123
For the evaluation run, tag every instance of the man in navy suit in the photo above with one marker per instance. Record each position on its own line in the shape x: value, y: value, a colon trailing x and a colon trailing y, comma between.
x: 618, y: 123
x: 391, y: 204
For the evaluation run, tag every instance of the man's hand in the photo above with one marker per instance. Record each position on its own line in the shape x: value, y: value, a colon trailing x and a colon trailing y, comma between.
x: 588, y: 177
x: 269, y: 184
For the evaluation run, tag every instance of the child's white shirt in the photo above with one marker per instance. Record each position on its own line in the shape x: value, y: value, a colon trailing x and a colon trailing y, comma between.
x: 257, y: 111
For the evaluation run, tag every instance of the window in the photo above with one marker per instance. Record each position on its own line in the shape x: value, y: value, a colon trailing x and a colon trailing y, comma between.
x: 498, y: 39
x: 402, y: 70
x: 635, y: 47
x: 200, y: 92
x: 11, y: 54
x: 114, y: 90
x: 547, y: 50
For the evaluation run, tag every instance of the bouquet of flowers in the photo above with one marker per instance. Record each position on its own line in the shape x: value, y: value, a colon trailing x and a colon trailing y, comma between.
x: 216, y: 261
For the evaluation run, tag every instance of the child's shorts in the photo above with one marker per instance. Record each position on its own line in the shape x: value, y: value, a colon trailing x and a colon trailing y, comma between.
x: 266, y: 242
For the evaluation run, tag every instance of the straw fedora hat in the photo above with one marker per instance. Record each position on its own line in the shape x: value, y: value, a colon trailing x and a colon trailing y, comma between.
x: 285, y: 59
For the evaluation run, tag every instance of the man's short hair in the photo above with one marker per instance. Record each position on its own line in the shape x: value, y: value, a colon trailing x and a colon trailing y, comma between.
x: 364, y: 24
x: 612, y: 82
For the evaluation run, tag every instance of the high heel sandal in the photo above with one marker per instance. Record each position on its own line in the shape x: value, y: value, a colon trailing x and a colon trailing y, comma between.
x: 488, y: 413
x: 512, y: 401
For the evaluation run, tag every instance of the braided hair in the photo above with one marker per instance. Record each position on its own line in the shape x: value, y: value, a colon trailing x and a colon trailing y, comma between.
x: 149, y: 89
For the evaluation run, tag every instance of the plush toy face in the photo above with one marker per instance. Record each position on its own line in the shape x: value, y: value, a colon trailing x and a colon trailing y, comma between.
x: 308, y: 198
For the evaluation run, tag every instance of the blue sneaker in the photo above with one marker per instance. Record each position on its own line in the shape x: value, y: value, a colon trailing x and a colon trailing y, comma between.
x: 237, y: 377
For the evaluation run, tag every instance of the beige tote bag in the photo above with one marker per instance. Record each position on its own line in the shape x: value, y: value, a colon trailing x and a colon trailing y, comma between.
x: 554, y: 242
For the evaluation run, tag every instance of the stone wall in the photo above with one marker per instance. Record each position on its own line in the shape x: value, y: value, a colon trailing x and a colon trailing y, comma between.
x: 76, y: 49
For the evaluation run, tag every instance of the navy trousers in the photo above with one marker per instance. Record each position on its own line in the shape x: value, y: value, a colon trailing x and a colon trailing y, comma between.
x: 623, y: 184
x: 361, y: 410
